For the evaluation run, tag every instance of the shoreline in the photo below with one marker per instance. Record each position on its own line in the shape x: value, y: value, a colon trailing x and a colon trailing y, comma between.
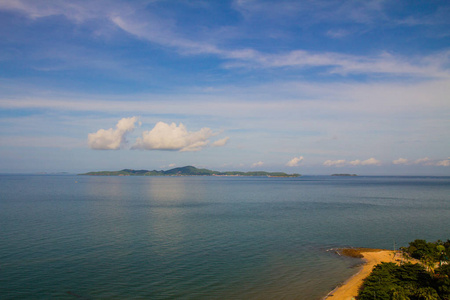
x: 349, y: 289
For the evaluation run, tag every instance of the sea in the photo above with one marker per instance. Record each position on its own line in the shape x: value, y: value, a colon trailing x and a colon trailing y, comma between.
x: 195, y: 237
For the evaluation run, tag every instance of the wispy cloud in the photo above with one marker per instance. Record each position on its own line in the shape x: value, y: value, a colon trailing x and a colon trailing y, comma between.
x: 221, y: 142
x: 337, y: 33
x: 145, y: 25
x: 250, y: 72
x: 437, y: 17
x: 345, y: 64
x: 364, y: 12
x: 78, y: 11
x: 357, y: 98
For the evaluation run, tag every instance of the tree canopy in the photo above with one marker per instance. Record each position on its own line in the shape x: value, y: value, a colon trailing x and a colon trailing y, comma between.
x: 409, y: 281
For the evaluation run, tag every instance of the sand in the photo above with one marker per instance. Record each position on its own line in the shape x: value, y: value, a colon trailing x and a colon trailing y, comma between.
x: 372, y: 257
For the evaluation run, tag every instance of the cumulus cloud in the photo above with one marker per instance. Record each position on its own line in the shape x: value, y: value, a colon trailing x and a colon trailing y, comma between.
x: 355, y: 162
x: 368, y: 162
x: 221, y: 142
x: 342, y: 162
x: 257, y: 164
x: 428, y: 162
x: 294, y: 162
x: 163, y: 136
x: 112, y: 139
x: 400, y: 161
x: 443, y: 163
x: 335, y: 163
x: 371, y: 162
x: 172, y: 137
x: 424, y: 160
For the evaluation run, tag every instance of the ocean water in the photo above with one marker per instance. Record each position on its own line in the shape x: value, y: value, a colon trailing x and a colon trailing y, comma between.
x: 82, y: 237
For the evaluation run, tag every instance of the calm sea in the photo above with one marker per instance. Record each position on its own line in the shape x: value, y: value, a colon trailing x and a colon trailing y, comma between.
x: 81, y: 237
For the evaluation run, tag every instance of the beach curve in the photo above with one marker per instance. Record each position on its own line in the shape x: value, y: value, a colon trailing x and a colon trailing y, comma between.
x: 371, y: 257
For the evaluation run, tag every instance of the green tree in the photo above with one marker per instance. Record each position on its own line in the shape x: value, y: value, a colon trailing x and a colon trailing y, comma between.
x: 427, y: 293
x: 398, y: 293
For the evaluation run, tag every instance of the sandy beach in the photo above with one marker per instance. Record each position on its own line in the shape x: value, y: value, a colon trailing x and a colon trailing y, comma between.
x: 372, y: 257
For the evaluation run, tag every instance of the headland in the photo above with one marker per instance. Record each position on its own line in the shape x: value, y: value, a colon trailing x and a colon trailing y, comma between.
x: 371, y: 257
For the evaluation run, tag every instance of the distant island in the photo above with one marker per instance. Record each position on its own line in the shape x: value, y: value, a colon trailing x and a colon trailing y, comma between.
x: 344, y: 175
x: 187, y: 171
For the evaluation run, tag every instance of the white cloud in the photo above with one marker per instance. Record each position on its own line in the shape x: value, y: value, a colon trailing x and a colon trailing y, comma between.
x: 337, y: 33
x: 420, y: 161
x: 78, y: 11
x: 423, y: 161
x: 111, y: 139
x: 335, y: 163
x: 294, y: 162
x: 368, y: 162
x: 338, y: 63
x: 172, y: 165
x: 172, y: 137
x: 342, y: 162
x: 443, y: 163
x: 355, y: 162
x: 311, y: 12
x: 143, y: 24
x: 221, y: 142
x: 421, y: 99
x: 428, y: 162
x: 371, y: 162
x: 400, y: 161
x: 257, y: 164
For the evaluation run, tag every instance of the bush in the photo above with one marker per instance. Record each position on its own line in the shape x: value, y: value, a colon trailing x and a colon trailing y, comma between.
x: 409, y: 281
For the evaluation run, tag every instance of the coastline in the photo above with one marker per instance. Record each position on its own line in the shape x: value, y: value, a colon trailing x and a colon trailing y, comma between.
x: 349, y: 289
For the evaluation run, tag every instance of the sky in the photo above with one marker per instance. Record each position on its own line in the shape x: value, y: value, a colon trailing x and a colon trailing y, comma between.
x: 309, y: 87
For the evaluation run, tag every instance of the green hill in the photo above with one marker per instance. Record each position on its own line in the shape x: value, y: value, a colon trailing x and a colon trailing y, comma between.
x: 187, y: 171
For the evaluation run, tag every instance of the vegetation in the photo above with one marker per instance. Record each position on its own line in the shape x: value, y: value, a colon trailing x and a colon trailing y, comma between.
x: 410, y: 281
x: 187, y: 171
x: 429, y: 253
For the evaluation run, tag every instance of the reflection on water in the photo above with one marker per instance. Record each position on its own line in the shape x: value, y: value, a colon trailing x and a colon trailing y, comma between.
x: 169, y: 191
x: 166, y: 218
x: 202, y: 237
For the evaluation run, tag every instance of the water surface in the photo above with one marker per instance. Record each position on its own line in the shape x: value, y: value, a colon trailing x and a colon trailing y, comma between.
x: 66, y: 237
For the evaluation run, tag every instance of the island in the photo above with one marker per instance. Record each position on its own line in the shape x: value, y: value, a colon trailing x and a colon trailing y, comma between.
x: 187, y: 171
x: 344, y: 175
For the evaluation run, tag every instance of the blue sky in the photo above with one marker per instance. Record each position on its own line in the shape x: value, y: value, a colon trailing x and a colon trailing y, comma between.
x: 311, y: 87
